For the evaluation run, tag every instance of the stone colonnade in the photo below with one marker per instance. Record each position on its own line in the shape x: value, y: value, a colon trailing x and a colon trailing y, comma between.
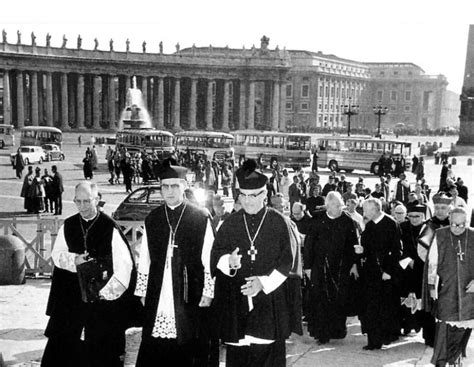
x: 95, y: 101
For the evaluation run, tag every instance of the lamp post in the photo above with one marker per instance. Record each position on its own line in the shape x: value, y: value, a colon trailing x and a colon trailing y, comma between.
x: 349, y: 110
x: 379, y: 111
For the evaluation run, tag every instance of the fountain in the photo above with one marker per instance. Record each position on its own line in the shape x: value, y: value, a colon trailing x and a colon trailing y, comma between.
x: 135, y: 114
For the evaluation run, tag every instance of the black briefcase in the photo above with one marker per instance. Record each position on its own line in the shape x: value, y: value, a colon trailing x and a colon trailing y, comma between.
x: 93, y: 276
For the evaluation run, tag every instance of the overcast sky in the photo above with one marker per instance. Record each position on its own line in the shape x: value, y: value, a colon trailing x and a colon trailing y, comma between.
x: 432, y: 34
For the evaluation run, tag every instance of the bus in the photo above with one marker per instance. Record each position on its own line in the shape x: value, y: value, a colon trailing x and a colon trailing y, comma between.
x: 360, y: 153
x: 39, y: 135
x: 288, y: 149
x: 210, y: 145
x: 7, y: 137
x: 149, y: 140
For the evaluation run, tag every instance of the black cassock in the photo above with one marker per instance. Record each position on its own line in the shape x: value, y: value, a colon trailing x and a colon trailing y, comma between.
x: 379, y: 319
x: 411, y: 278
x: 329, y: 253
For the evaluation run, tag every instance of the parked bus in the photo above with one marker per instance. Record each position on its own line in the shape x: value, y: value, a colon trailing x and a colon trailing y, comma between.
x: 360, y: 153
x: 288, y: 149
x: 149, y: 140
x: 7, y: 137
x: 39, y: 135
x: 212, y: 145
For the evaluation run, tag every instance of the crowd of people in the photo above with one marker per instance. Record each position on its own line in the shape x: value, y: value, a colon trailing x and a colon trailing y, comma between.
x: 293, y: 249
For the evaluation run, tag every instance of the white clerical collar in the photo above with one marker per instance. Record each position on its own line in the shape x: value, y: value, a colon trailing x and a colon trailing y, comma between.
x: 331, y: 217
x: 173, y: 207
x: 379, y: 218
x: 89, y: 219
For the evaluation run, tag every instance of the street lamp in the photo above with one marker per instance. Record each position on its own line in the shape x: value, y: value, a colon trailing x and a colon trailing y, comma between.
x: 380, y: 111
x: 349, y: 110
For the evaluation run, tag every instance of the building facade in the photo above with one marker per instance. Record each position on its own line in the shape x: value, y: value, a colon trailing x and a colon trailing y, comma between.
x: 211, y: 88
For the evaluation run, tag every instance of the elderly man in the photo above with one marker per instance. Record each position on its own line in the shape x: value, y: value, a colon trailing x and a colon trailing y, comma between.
x: 412, y: 273
x: 252, y: 258
x: 330, y: 261
x: 381, y: 251
x: 301, y: 218
x: 400, y: 213
x: 174, y: 278
x: 87, y: 316
x: 450, y: 281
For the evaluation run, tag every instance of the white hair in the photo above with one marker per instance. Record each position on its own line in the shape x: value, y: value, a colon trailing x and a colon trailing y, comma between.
x: 373, y: 201
x: 334, y: 196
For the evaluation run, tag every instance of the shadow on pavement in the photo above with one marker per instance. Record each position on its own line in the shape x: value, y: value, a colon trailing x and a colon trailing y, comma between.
x: 22, y: 334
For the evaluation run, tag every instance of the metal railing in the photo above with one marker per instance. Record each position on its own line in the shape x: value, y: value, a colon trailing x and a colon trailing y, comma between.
x: 38, y: 234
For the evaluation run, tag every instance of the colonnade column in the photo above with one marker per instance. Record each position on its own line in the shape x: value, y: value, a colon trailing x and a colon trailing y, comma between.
x: 127, y: 84
x: 34, y: 98
x: 176, y: 104
x: 112, y: 124
x: 192, y: 105
x: 96, y: 102
x: 64, y: 103
x: 276, y: 106
x: 80, y: 102
x: 49, y: 99
x: 145, y: 90
x: 242, y: 104
x: 20, y: 100
x: 209, y: 106
x: 225, y: 108
x: 161, y: 104
x: 7, y: 107
x: 283, y: 106
x: 251, y: 104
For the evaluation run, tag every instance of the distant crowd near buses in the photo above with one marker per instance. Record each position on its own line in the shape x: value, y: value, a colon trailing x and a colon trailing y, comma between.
x: 291, y: 150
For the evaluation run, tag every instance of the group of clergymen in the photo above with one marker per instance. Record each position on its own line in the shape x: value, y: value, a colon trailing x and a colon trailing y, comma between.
x: 238, y: 280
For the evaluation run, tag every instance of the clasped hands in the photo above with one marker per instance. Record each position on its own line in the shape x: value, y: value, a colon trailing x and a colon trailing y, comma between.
x: 253, y: 285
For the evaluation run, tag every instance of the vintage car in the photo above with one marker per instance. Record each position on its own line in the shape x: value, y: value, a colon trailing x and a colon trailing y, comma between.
x: 53, y: 152
x: 31, y: 154
x: 139, y: 203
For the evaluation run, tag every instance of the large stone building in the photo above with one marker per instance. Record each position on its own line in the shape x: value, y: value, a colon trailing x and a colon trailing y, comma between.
x: 211, y: 88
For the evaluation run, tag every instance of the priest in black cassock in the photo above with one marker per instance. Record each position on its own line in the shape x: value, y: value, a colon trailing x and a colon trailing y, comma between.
x: 442, y: 206
x: 330, y: 261
x: 252, y: 258
x: 450, y: 280
x: 411, y: 269
x: 91, y: 333
x: 174, y: 279
x: 380, y: 279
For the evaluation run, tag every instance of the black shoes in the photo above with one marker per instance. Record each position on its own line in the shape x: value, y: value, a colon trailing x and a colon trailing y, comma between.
x: 372, y: 347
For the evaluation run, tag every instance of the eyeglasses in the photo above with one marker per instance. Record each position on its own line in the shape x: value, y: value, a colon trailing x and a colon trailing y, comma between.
x: 415, y: 216
x: 454, y: 225
x: 83, y: 202
x: 252, y: 196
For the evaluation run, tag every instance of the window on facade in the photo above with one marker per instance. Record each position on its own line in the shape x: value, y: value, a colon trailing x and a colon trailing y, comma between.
x: 326, y: 91
x: 304, y: 106
x: 332, y: 107
x: 410, y: 73
x: 393, y: 108
x: 305, y: 90
x: 393, y: 95
x: 337, y: 91
x: 382, y: 73
x: 407, y: 108
x: 321, y: 90
x: 343, y: 93
x: 289, y: 106
x: 320, y: 106
x: 395, y: 73
x: 305, y: 79
x: 326, y: 107
x: 289, y: 90
x: 407, y: 95
x: 332, y: 91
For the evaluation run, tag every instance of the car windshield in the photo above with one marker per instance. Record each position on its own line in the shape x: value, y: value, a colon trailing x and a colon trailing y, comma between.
x: 138, y: 196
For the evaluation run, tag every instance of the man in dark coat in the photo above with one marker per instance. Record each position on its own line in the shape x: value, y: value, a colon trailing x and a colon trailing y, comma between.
x: 88, y: 317
x: 57, y: 191
x: 252, y: 258
x: 451, y: 285
x: 412, y: 269
x: 174, y: 279
x: 381, y: 252
x: 329, y: 261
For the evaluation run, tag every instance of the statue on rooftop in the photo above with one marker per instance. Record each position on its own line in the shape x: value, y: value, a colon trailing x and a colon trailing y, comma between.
x: 33, y: 39
x: 64, y: 41
x: 18, y: 41
x: 264, y: 41
x: 48, y: 40
x: 161, y: 47
x: 127, y: 45
x: 210, y: 49
x: 144, y: 46
x: 177, y: 48
x: 4, y: 36
x: 111, y: 44
x: 96, y: 44
x: 79, y: 42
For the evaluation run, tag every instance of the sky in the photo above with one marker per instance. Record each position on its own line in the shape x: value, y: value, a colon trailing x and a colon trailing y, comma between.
x: 432, y: 34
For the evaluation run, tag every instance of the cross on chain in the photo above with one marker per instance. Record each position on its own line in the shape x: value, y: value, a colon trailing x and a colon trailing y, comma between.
x: 460, y: 252
x: 252, y: 252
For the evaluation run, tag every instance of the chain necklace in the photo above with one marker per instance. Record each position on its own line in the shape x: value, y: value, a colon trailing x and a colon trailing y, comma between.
x: 85, y: 232
x: 253, y: 251
x: 171, y: 243
x: 460, y: 253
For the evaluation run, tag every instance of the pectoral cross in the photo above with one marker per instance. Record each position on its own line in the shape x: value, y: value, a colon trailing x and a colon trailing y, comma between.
x: 172, y: 246
x: 252, y: 252
x: 460, y: 252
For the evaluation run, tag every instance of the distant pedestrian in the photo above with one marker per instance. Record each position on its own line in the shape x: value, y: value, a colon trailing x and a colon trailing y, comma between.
x: 87, y: 168
x: 57, y: 189
x: 19, y: 164
x: 79, y: 140
x: 25, y: 190
x: 48, y: 190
